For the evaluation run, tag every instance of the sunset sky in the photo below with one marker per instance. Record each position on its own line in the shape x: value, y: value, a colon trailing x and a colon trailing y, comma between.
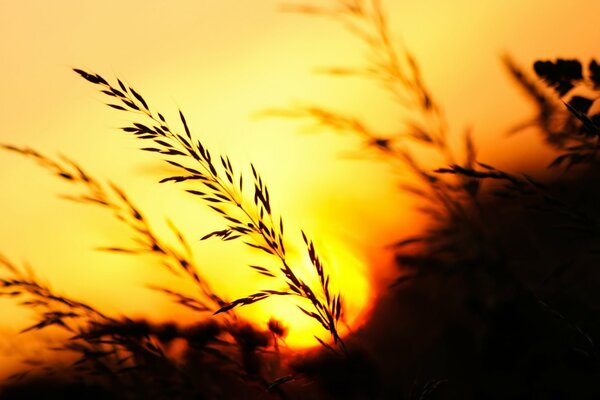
x: 223, y: 62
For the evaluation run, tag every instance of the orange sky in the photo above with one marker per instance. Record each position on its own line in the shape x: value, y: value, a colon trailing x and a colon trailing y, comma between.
x: 222, y: 62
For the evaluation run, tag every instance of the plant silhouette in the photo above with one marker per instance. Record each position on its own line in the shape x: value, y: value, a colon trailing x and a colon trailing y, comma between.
x: 496, y: 297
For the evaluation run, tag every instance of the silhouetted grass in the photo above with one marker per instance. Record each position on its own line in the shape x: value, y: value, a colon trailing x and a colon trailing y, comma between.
x: 468, y: 246
x: 126, y: 352
x: 448, y: 200
x: 497, y: 296
x: 122, y: 350
x: 111, y: 197
x: 223, y: 192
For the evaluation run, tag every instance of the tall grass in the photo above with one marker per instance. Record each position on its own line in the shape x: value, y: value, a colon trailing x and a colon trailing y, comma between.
x: 489, y: 303
x: 390, y: 66
x: 126, y: 353
x: 222, y: 189
x: 113, y: 347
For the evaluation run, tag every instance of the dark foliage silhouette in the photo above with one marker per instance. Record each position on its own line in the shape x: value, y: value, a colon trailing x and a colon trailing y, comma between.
x: 496, y: 297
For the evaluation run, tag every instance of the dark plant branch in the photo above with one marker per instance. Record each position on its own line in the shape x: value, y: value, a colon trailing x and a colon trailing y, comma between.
x: 223, y: 189
x: 111, y: 197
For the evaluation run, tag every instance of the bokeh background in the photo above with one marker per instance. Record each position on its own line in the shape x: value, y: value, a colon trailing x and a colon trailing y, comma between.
x: 223, y: 62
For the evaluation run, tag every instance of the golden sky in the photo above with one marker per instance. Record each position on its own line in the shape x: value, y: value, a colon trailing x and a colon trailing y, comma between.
x: 222, y: 62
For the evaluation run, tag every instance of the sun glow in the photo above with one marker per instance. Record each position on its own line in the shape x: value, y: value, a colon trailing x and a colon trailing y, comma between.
x: 349, y: 276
